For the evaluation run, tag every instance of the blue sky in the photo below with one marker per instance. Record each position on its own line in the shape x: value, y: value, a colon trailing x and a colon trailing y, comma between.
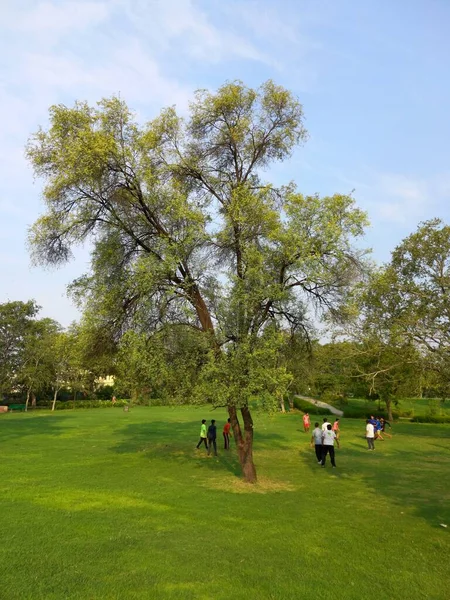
x: 372, y: 75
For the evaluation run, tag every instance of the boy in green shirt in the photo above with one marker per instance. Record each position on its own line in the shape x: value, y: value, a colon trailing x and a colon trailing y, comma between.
x: 202, y: 435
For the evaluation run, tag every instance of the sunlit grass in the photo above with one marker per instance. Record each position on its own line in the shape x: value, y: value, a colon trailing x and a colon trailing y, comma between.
x: 101, y: 504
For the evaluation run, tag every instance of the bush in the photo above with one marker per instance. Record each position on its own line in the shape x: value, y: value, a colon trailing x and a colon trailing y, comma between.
x: 430, y: 419
x: 69, y: 405
x: 105, y: 392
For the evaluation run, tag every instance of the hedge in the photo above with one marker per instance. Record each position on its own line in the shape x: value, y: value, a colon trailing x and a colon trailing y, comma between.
x: 430, y: 419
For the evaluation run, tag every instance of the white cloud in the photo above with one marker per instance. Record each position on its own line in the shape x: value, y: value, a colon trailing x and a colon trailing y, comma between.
x: 403, y: 199
x: 48, y: 17
x: 396, y: 198
x: 174, y: 25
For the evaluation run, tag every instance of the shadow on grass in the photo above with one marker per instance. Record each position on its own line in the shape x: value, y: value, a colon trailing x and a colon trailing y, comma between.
x: 177, y: 441
x: 28, y: 425
x: 413, y: 478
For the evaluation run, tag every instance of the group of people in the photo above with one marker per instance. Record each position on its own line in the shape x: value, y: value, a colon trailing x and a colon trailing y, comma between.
x: 307, y: 424
x: 375, y: 429
x: 323, y: 439
x: 209, y: 436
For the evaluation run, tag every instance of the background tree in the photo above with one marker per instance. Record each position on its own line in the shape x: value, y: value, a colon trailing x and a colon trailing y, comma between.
x: 36, y: 371
x: 185, y: 230
x: 16, y: 320
x: 64, y: 368
x: 409, y: 301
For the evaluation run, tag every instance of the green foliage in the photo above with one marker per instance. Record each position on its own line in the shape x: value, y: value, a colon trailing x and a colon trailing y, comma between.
x: 104, y: 392
x: 412, y: 297
x: 186, y: 232
x: 245, y: 374
x: 16, y: 320
x: 164, y: 365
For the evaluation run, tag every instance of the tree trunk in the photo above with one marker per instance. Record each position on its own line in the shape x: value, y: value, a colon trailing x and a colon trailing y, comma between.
x: 282, y: 407
x: 28, y: 399
x: 291, y: 402
x: 389, y: 410
x: 244, y: 442
x: 33, y: 400
x: 55, y: 395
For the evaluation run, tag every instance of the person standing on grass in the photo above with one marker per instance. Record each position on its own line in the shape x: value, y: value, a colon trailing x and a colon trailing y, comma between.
x: 212, y: 435
x: 226, y: 434
x: 370, y: 434
x: 202, y: 439
x: 316, y: 439
x: 335, y: 427
x: 328, y: 438
x: 325, y: 424
x: 306, y: 422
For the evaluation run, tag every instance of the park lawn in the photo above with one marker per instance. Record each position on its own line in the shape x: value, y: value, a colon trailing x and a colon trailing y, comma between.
x: 102, y: 505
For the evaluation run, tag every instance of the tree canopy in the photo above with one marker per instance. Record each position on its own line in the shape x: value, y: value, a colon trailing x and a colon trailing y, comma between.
x: 186, y: 230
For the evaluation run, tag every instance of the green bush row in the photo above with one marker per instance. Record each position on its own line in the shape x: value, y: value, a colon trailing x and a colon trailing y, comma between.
x: 430, y: 419
x: 83, y: 404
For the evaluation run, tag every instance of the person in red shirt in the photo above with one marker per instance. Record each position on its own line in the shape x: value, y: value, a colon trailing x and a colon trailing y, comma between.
x: 306, y: 422
x: 226, y: 434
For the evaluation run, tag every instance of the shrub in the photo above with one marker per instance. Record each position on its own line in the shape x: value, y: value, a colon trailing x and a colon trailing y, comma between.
x: 430, y: 419
x: 86, y: 404
x: 105, y: 392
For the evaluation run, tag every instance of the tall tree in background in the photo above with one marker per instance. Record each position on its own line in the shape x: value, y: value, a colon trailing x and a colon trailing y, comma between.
x: 185, y: 230
x: 410, y: 297
x: 36, y: 372
x: 16, y: 321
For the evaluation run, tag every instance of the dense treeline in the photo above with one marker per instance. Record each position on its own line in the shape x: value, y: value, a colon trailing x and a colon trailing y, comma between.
x: 392, y: 344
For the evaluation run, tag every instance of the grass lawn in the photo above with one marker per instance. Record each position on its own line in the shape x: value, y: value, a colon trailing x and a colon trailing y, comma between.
x: 102, y: 504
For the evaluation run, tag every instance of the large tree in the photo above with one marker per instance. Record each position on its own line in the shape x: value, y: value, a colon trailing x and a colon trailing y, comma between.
x: 185, y: 229
x: 16, y: 323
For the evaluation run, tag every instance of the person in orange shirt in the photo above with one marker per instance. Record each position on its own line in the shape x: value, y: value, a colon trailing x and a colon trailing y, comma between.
x: 226, y: 434
x: 306, y: 422
x: 336, y: 428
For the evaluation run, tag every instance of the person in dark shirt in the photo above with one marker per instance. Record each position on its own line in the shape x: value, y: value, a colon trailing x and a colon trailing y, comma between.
x: 212, y: 435
x: 385, y: 423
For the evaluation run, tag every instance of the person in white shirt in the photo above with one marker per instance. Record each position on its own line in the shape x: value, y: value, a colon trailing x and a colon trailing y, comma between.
x: 328, y: 437
x: 325, y: 424
x: 370, y: 434
x: 316, y: 439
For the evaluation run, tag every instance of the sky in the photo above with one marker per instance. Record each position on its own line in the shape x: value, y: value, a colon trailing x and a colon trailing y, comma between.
x: 372, y: 75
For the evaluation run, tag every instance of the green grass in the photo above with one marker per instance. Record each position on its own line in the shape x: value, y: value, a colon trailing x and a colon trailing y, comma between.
x: 102, y: 505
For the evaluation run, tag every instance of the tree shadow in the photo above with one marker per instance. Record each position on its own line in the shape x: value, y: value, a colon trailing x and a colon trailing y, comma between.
x: 32, y: 424
x: 414, y: 480
x: 177, y: 441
